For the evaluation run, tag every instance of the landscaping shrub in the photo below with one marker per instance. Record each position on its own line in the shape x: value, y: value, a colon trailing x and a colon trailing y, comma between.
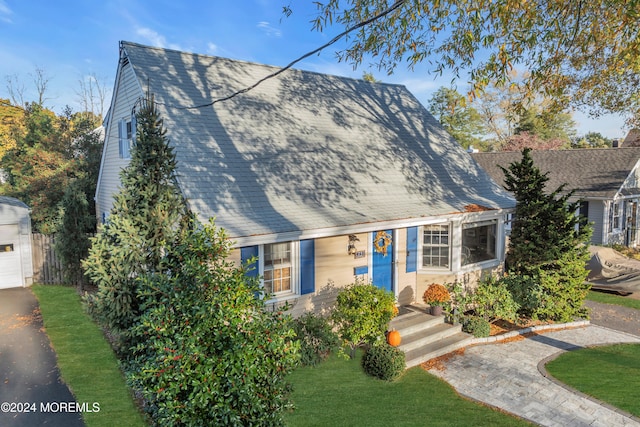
x: 362, y: 313
x: 525, y: 292
x: 317, y: 339
x: 493, y: 301
x: 563, y: 290
x: 208, y: 351
x: 384, y: 362
x: 477, y: 326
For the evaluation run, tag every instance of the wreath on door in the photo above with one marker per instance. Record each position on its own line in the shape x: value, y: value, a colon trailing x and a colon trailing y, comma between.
x: 381, y: 242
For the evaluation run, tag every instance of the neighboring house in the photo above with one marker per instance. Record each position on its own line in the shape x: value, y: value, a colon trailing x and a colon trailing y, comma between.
x: 16, y: 265
x: 632, y: 139
x: 606, y: 180
x: 323, y: 178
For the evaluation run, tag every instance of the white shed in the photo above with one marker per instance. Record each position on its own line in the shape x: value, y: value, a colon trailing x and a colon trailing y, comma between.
x: 16, y: 265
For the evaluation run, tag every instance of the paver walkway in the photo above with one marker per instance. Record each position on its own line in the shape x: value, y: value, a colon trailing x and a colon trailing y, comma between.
x: 31, y: 392
x: 506, y: 375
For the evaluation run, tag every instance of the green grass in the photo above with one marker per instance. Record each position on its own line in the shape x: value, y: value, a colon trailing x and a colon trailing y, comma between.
x: 610, y: 374
x: 87, y: 363
x: 339, y: 393
x: 609, y: 298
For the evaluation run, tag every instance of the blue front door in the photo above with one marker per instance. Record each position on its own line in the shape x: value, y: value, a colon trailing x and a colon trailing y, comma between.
x: 382, y: 274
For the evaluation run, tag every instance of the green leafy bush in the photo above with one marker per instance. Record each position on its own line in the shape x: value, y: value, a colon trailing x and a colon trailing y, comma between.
x: 361, y: 314
x: 477, y: 326
x: 525, y: 291
x: 563, y: 290
x: 208, y: 351
x: 493, y: 301
x: 461, y: 300
x: 384, y: 362
x: 317, y: 339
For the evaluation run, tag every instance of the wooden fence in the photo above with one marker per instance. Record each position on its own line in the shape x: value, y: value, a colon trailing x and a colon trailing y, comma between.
x: 47, y: 268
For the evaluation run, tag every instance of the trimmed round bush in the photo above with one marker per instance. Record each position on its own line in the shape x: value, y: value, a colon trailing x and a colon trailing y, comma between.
x: 477, y: 326
x: 384, y: 362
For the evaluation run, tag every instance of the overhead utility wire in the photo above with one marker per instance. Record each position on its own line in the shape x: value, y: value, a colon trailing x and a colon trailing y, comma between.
x: 395, y: 6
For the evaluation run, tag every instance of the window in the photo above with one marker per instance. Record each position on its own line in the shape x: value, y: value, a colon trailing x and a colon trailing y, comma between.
x: 478, y: 242
x: 125, y: 135
x: 435, y: 246
x: 277, y: 268
x: 615, y: 216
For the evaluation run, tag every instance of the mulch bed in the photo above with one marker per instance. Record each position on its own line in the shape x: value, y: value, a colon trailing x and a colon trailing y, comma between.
x: 500, y: 327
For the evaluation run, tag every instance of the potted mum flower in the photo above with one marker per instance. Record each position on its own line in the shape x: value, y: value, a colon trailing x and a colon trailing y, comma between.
x: 436, y: 296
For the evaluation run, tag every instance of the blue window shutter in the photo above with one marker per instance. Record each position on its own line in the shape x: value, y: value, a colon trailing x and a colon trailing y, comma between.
x: 246, y: 254
x: 307, y: 267
x: 412, y: 249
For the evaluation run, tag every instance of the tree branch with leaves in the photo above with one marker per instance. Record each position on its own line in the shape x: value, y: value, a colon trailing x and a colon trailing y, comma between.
x: 580, y: 53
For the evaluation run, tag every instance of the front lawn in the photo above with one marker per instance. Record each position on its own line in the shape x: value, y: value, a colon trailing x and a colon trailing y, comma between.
x: 610, y: 298
x: 87, y: 363
x: 610, y: 374
x: 339, y: 393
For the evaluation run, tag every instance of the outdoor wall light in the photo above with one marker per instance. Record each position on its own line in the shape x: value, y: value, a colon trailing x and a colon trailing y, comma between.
x: 351, y: 249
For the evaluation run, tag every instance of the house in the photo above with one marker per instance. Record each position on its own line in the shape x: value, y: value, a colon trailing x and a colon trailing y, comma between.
x: 632, y: 139
x: 323, y: 178
x: 16, y: 265
x: 606, y: 180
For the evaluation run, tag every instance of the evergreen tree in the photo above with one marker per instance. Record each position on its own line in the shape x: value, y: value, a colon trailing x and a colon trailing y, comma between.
x: 143, y: 221
x: 72, y: 242
x: 548, y: 242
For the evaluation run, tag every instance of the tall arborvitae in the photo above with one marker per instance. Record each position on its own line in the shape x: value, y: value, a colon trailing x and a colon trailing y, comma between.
x: 72, y: 239
x: 145, y: 217
x: 548, y: 241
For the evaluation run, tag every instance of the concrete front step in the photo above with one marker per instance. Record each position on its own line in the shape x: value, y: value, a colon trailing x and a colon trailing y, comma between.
x: 425, y: 337
x: 415, y: 322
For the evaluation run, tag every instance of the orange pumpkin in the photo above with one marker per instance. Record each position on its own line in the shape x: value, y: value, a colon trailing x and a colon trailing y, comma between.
x: 393, y: 338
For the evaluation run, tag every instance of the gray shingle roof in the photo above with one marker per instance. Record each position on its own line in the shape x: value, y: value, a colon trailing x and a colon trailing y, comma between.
x: 305, y: 151
x: 10, y: 201
x: 597, y: 173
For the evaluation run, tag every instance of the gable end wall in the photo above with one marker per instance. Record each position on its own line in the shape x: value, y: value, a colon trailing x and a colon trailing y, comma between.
x: 127, y: 92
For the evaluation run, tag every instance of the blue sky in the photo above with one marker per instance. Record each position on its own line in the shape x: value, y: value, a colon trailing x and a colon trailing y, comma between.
x: 71, y: 39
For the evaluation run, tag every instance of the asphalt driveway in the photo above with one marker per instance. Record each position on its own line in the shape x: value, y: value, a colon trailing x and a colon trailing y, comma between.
x: 31, y: 391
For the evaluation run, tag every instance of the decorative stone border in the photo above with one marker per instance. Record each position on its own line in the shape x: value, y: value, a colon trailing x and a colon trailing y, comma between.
x: 529, y: 330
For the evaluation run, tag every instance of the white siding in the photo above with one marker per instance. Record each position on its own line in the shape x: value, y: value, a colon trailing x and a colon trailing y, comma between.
x: 632, y: 183
x: 16, y: 266
x: 127, y: 92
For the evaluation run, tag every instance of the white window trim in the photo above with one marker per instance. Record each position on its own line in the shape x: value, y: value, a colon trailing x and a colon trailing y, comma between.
x: 421, y: 267
x: 615, y: 204
x: 475, y: 224
x: 295, y: 273
x: 455, y: 241
x: 122, y: 131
